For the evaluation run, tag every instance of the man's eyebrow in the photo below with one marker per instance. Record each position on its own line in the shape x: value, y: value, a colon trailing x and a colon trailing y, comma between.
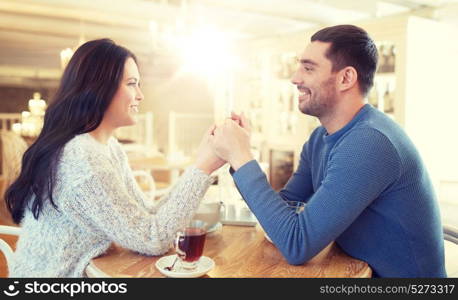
x: 308, y: 61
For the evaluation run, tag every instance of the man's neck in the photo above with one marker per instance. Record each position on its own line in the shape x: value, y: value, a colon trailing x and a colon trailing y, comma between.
x: 342, y: 114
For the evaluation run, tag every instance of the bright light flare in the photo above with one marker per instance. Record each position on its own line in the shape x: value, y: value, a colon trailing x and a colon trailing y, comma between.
x: 206, y: 52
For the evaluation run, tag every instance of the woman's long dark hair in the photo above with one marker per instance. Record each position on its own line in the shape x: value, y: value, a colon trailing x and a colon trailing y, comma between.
x: 88, y: 85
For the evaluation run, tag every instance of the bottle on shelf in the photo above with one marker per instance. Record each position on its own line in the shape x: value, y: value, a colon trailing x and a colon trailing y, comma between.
x: 373, y: 96
x: 391, y: 59
x: 388, y: 100
x: 382, y: 59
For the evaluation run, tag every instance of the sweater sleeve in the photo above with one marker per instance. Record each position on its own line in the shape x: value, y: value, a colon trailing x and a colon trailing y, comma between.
x: 150, y: 204
x: 132, y: 186
x: 299, y: 187
x: 102, y: 203
x: 363, y: 165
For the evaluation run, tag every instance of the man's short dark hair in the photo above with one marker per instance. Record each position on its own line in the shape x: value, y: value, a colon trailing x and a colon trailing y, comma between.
x: 351, y: 46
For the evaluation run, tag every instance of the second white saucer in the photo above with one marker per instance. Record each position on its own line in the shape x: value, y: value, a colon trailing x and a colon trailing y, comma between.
x: 203, y: 267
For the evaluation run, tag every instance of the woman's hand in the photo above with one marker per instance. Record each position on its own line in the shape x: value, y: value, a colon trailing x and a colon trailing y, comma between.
x: 207, y: 160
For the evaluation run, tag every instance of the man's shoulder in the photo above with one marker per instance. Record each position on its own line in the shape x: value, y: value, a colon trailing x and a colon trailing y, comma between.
x: 367, y: 134
x: 379, y: 128
x: 318, y: 132
x: 379, y: 143
x: 313, y: 140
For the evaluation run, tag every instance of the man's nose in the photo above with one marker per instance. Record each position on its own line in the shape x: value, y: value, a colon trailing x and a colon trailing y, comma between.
x: 296, y: 79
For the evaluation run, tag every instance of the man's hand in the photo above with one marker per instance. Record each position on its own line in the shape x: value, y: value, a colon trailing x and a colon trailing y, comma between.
x: 231, y: 142
x: 242, y: 121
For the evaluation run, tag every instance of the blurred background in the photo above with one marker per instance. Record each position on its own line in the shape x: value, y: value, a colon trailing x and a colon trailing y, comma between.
x: 201, y: 59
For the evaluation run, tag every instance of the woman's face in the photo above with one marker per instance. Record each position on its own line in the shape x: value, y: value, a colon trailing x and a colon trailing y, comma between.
x: 124, y: 106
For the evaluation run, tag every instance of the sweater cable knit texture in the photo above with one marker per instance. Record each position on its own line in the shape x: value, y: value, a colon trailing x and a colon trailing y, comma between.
x: 99, y: 202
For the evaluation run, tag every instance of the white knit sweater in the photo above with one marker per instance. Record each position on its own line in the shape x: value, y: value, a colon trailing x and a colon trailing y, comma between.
x: 99, y: 202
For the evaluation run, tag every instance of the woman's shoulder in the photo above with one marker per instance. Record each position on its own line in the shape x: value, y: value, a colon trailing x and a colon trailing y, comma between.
x: 80, y: 142
x: 117, y: 148
x: 83, y: 148
x: 81, y: 159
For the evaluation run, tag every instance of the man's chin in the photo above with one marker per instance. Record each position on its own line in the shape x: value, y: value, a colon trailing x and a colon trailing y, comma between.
x: 305, y: 109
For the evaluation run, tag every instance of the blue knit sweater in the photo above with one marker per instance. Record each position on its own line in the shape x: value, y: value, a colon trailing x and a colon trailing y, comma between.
x: 366, y: 188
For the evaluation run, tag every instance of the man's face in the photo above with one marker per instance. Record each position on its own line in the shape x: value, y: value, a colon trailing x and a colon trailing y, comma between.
x: 315, y: 81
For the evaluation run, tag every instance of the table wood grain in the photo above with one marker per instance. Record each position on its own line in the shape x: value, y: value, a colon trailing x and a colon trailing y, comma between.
x: 238, y: 251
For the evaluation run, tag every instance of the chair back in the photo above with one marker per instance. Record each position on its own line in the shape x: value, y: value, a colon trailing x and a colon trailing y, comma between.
x: 6, y: 248
x: 451, y: 250
x: 146, y: 182
x: 12, y: 148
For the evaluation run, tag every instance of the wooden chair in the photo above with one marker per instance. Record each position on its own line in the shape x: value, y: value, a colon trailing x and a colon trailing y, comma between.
x: 8, y: 238
x: 146, y: 182
x: 12, y: 147
x: 451, y: 250
x: 8, y: 119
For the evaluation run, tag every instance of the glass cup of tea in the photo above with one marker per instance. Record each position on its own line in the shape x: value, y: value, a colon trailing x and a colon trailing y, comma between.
x: 189, y: 244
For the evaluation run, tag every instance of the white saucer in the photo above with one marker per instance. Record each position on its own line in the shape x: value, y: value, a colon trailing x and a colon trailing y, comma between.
x: 215, y: 228
x: 205, y: 264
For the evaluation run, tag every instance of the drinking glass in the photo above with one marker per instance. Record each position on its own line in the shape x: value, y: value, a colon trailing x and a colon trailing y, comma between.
x: 189, y: 244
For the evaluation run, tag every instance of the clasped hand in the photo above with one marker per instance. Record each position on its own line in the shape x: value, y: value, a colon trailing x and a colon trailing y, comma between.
x: 227, y: 142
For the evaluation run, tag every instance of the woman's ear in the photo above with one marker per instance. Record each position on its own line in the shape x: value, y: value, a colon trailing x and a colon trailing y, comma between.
x: 348, y: 78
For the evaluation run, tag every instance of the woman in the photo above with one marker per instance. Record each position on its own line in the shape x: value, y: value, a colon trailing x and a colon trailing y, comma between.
x: 76, y: 194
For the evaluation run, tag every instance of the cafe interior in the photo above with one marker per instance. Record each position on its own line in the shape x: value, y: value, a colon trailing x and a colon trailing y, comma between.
x: 200, y: 60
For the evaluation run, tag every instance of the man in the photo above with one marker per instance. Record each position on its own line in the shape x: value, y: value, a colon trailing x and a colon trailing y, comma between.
x: 365, y: 185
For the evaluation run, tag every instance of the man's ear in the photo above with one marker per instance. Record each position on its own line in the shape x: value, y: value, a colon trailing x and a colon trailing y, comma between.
x: 347, y: 78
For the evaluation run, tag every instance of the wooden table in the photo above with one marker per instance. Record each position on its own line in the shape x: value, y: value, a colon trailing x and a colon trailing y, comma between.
x: 238, y: 251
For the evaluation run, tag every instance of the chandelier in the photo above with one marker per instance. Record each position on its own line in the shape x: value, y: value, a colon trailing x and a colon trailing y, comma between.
x: 31, y: 120
x: 67, y: 53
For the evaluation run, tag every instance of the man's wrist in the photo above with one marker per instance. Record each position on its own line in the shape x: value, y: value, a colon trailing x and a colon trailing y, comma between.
x: 240, y: 161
